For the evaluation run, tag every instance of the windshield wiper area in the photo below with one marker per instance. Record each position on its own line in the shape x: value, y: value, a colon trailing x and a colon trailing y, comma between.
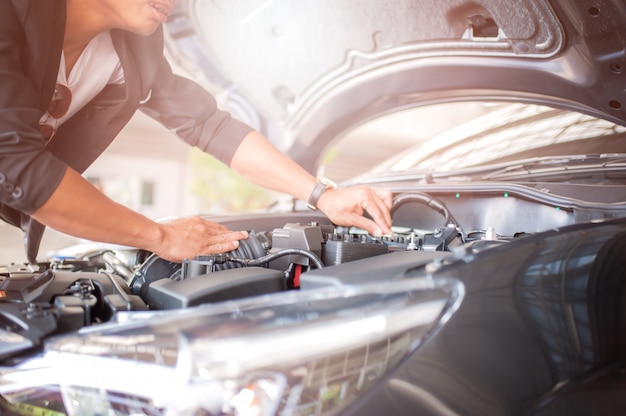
x: 561, y: 166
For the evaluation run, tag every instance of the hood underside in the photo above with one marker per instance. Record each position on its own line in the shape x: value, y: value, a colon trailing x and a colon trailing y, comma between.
x: 304, y: 73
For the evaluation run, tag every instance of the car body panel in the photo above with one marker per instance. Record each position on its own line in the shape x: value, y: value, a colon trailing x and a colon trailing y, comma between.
x: 500, y: 292
x: 532, y: 334
x: 325, y: 68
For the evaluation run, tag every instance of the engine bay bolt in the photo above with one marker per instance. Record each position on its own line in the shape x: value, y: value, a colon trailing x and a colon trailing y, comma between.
x: 411, y: 245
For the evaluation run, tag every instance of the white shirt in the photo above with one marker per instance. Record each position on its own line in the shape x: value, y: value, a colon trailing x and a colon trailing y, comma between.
x: 97, y: 66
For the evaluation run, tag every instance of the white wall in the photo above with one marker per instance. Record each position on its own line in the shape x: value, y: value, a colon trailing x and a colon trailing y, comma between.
x: 122, y: 177
x: 146, y: 152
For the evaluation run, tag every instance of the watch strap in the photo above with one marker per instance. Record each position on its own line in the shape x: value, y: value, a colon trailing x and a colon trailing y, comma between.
x: 320, y: 187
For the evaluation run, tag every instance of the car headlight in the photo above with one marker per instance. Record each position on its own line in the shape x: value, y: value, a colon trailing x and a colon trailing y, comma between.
x: 300, y: 352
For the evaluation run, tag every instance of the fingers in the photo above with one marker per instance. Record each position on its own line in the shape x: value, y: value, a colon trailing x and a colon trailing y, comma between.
x: 368, y: 225
x: 377, y: 203
x: 381, y: 213
x: 190, y: 237
x: 385, y: 196
x: 348, y: 206
x: 223, y: 243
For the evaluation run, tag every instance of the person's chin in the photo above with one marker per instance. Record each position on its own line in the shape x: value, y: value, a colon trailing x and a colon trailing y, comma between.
x: 148, y: 29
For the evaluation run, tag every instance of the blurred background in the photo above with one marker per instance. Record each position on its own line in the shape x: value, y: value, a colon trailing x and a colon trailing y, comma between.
x: 150, y: 170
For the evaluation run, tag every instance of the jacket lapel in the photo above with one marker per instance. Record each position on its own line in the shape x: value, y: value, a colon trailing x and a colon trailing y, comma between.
x: 44, y: 35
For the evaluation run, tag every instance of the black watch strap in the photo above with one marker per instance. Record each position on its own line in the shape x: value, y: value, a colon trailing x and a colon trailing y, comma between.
x: 322, y: 185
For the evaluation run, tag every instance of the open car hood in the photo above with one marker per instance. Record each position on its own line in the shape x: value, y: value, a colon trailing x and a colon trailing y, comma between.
x: 500, y: 290
x: 305, y: 73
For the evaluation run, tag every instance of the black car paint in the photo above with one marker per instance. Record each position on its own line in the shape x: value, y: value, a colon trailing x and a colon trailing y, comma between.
x: 543, y: 332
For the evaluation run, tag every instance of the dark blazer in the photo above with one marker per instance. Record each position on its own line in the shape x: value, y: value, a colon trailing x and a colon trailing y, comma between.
x: 31, y: 41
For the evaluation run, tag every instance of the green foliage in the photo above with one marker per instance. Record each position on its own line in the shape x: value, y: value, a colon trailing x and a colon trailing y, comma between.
x: 219, y: 189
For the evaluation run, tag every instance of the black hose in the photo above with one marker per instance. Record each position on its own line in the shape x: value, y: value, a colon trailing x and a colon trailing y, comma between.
x: 272, y: 256
x: 425, y: 199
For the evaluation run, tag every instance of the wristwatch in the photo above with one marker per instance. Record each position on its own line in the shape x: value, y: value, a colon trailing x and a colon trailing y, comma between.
x: 322, y: 185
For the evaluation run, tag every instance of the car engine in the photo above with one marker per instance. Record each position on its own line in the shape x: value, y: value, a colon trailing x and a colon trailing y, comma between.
x: 68, y: 293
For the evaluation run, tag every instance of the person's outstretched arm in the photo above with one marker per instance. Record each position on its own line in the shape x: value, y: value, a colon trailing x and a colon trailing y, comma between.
x: 77, y: 208
x: 259, y: 161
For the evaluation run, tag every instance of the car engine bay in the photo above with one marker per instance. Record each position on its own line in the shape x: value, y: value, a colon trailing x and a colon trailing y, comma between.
x: 295, y: 251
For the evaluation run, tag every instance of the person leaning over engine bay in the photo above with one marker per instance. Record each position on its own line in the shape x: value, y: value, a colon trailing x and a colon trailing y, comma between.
x: 73, y: 73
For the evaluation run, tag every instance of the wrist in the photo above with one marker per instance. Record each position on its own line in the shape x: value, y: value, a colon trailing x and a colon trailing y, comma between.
x: 153, y: 237
x: 321, y: 186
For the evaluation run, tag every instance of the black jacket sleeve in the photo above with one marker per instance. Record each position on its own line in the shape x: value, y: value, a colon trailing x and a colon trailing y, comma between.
x: 191, y: 113
x: 29, y: 174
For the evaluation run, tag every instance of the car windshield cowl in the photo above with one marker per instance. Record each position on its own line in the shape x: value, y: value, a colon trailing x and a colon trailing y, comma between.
x: 572, y: 165
x: 540, y: 168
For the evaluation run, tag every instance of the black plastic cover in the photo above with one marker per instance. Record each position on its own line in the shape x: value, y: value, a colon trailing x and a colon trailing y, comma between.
x: 215, y: 287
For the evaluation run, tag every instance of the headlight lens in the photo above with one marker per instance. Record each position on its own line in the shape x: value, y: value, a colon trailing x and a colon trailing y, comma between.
x: 295, y: 353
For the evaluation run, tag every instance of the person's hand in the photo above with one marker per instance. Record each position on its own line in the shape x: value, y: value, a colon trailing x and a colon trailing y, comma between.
x: 187, y: 238
x: 347, y: 207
